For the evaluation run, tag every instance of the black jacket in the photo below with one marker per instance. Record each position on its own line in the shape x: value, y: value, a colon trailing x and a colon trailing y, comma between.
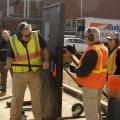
x: 3, y: 50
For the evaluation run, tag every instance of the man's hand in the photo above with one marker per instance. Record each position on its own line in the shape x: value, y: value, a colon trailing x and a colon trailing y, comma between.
x: 72, y: 68
x: 71, y: 49
x: 45, y: 65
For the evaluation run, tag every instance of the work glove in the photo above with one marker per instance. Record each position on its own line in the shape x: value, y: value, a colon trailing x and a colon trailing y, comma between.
x: 72, y: 68
x: 71, y: 49
x: 45, y: 65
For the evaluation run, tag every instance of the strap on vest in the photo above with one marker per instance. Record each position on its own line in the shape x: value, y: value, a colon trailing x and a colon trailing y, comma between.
x: 102, y: 68
x: 35, y: 40
x: 14, y: 44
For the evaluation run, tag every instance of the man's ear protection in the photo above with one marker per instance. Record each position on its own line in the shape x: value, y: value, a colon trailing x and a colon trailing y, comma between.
x: 20, y: 28
x: 90, y: 35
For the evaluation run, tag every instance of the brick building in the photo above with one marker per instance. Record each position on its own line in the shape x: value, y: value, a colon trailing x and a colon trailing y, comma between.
x: 14, y: 11
x: 20, y: 10
x: 90, y: 8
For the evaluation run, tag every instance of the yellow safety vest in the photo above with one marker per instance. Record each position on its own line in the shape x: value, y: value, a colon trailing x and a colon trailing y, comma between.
x: 113, y: 80
x: 111, y: 61
x: 34, y: 52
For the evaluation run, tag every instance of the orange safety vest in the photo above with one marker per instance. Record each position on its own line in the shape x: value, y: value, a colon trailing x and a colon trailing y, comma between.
x: 113, y: 80
x: 114, y: 86
x: 96, y: 79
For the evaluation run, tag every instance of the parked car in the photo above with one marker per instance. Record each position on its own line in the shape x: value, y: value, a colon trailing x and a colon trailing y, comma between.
x: 80, y: 45
x: 69, y: 36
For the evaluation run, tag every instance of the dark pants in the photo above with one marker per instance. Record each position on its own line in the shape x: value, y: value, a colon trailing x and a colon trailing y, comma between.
x: 3, y: 73
x: 113, y: 109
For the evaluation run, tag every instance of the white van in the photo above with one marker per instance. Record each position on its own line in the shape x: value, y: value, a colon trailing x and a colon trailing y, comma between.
x: 104, y: 25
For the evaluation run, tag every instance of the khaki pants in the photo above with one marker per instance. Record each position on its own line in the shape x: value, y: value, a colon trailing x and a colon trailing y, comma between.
x: 92, y: 106
x: 20, y: 82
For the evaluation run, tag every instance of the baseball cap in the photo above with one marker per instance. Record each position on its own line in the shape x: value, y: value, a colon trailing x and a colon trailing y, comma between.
x: 112, y: 36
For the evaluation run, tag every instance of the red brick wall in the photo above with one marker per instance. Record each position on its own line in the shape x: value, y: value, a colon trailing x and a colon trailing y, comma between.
x: 11, y: 23
x: 72, y: 9
x: 91, y: 8
x: 104, y: 8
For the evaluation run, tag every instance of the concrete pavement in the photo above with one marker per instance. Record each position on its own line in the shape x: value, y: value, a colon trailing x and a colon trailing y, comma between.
x: 5, y: 112
x: 67, y: 102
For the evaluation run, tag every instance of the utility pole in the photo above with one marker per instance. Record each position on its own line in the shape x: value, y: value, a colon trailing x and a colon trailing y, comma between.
x: 8, y: 8
x: 28, y: 8
x: 81, y: 7
x: 25, y: 9
x: 45, y: 2
x: 1, y: 19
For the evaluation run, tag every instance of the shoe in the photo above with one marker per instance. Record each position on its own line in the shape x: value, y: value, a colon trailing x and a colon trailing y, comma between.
x: 23, y: 117
x: 2, y: 94
x: 2, y: 88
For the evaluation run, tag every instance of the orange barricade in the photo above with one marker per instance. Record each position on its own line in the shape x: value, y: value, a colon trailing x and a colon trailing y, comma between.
x: 114, y: 86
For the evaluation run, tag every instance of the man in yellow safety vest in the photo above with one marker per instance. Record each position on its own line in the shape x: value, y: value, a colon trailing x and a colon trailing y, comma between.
x: 114, y: 77
x: 26, y: 47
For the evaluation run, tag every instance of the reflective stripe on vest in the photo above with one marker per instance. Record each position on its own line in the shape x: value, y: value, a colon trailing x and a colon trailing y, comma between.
x: 13, y: 43
x: 96, y: 79
x: 21, y: 54
x: 102, y: 68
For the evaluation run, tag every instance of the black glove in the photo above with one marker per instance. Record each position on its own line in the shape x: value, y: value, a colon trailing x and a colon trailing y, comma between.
x: 71, y: 49
x: 72, y: 68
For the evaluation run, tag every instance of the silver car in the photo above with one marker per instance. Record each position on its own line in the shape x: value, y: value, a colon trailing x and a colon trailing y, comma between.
x: 80, y: 45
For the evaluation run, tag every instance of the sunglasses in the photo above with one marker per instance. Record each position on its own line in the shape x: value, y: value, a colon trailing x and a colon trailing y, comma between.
x: 110, y: 39
x: 28, y: 35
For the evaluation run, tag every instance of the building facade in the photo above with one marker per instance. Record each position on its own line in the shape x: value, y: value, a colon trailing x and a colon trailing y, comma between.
x: 90, y: 8
x: 14, y: 11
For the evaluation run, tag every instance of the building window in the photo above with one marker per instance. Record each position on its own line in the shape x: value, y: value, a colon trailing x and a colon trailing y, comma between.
x: 11, y: 10
x: 35, y: 8
x: 70, y: 25
x: 25, y: 8
x: 16, y: 8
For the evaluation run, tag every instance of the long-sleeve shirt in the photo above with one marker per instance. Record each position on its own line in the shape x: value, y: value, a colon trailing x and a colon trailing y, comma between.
x: 88, y: 63
x: 3, y: 50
